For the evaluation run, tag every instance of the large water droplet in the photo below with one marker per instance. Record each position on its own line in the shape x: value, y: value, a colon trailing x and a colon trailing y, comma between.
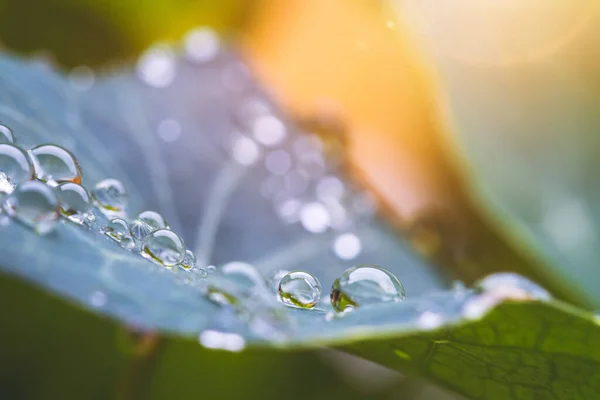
x: 35, y: 205
x: 189, y: 260
x: 365, y: 285
x: 54, y: 164
x: 6, y: 135
x: 110, y: 196
x: 75, y: 203
x: 164, y: 247
x: 300, y: 289
x: 514, y: 286
x: 15, y: 167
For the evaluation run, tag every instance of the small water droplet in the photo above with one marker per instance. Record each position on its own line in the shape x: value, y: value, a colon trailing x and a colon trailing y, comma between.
x: 117, y: 229
x: 75, y: 202
x: 164, y: 247
x: 513, y: 286
x: 82, y: 78
x: 98, y: 299
x: 211, y: 269
x: 110, y: 196
x: 300, y: 289
x: 169, y: 130
x: 6, y: 135
x: 201, y: 45
x: 154, y: 219
x: 212, y: 339
x: 314, y: 217
x: 269, y: 130
x: 15, y: 167
x: 278, y: 162
x: 156, y: 67
x: 189, y: 261
x: 35, y: 205
x: 245, y: 151
x: 347, y: 246
x: 365, y: 285
x: 139, y: 229
x: 54, y: 164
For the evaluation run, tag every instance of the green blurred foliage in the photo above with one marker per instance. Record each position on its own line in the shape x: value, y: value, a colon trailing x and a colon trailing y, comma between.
x: 93, y: 32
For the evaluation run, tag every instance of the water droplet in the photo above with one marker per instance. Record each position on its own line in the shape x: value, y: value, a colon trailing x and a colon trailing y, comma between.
x: 222, y: 340
x: 330, y: 187
x: 365, y: 285
x: 110, y: 196
x: 140, y: 229
x: 233, y: 280
x: 347, y: 246
x: 98, y: 299
x: 211, y: 269
x: 75, y: 203
x: 169, y: 130
x: 147, y: 222
x: 117, y: 229
x: 269, y: 130
x: 54, y: 164
x: 300, y: 289
x: 245, y: 151
x: 15, y: 167
x: 164, y: 247
x: 278, y: 162
x: 156, y: 67
x: 6, y: 135
x: 189, y: 261
x: 34, y: 204
x: 82, y: 78
x: 513, y: 286
x: 201, y: 45
x: 314, y: 217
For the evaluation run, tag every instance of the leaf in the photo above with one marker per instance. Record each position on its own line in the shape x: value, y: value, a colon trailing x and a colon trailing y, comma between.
x: 216, y: 204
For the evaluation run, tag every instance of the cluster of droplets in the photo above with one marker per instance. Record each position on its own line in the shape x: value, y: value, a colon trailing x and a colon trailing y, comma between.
x: 40, y: 185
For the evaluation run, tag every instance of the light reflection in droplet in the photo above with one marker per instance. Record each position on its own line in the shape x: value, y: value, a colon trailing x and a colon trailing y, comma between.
x: 82, y: 78
x: 278, y: 162
x: 347, y: 246
x: 156, y: 67
x: 245, y: 151
x: 314, y: 217
x: 220, y: 340
x: 269, y: 130
x: 201, y: 45
x: 169, y: 130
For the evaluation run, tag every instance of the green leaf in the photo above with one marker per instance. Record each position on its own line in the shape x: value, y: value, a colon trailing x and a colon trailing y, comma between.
x: 217, y: 206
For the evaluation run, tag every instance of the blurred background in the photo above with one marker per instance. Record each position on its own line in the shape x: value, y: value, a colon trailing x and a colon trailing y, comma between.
x: 473, y: 121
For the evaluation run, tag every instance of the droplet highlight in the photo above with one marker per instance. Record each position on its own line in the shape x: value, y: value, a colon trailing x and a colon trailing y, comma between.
x: 54, y: 164
x: 365, y: 285
x: 118, y: 230
x: 34, y: 204
x: 189, y: 260
x: 6, y: 135
x: 299, y: 289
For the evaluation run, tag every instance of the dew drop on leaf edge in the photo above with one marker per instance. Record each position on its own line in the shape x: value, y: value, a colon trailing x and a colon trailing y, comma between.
x: 299, y: 289
x: 163, y: 247
x: 365, y: 285
x: 15, y: 167
x: 110, y: 195
x: 75, y: 202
